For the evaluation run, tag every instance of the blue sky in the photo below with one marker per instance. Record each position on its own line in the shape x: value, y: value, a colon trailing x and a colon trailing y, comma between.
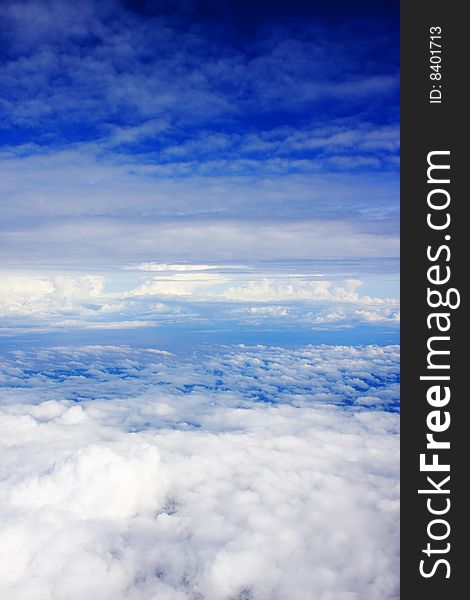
x: 199, y: 309
x: 203, y: 165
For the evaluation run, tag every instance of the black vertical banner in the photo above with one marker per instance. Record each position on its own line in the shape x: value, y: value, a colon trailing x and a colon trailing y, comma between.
x: 435, y: 254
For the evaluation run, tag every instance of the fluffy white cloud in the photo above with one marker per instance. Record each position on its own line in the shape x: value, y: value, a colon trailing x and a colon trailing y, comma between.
x: 285, y: 289
x: 262, y: 289
x: 41, y: 296
x: 61, y: 301
x: 256, y: 473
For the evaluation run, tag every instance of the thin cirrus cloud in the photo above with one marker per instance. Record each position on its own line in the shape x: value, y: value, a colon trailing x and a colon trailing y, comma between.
x: 92, y: 241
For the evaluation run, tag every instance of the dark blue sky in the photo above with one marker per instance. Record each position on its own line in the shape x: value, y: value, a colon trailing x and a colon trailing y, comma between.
x: 75, y: 72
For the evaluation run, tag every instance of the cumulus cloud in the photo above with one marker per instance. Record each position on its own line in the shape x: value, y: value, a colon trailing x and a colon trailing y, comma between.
x: 58, y: 303
x: 246, y: 473
x: 42, y: 296
x: 301, y: 289
x: 185, y: 292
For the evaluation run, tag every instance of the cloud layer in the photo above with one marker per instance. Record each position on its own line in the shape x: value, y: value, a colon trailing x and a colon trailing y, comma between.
x: 253, y: 473
x: 211, y: 131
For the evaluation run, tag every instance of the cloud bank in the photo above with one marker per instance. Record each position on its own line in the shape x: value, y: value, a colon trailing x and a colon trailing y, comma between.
x: 154, y: 294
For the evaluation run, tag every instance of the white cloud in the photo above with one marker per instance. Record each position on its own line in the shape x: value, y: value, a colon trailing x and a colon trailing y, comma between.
x: 235, y: 475
x: 183, y: 291
x: 271, y: 290
x: 180, y: 284
x: 374, y: 316
x: 23, y: 287
x: 153, y: 266
x: 81, y: 301
x: 42, y: 296
x: 350, y: 315
x: 262, y: 311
